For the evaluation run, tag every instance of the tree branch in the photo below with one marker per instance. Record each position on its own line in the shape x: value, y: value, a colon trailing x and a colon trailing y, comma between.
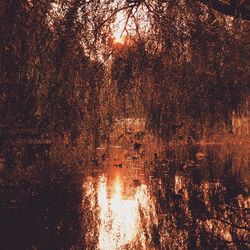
x: 235, y: 8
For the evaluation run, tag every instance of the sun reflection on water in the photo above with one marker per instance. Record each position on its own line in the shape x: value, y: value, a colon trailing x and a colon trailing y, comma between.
x: 119, y: 218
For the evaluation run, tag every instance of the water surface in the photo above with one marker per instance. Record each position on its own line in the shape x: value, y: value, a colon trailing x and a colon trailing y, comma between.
x: 139, y: 196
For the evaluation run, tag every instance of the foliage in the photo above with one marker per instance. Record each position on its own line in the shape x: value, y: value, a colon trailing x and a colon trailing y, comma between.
x: 187, y: 70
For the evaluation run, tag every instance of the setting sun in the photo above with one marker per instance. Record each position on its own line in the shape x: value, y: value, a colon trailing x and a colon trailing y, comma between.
x: 119, y: 26
x: 119, y: 40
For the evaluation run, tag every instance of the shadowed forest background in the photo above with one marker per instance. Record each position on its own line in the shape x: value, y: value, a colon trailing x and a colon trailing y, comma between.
x: 154, y: 92
x: 183, y: 66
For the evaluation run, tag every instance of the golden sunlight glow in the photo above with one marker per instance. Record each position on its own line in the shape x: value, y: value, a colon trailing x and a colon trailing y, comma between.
x: 119, y: 26
x: 119, y: 40
x: 118, y: 218
x: 121, y: 222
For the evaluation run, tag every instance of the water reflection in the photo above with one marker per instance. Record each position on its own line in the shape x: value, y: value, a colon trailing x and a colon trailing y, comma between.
x: 121, y: 220
x: 139, y: 197
x: 189, y: 198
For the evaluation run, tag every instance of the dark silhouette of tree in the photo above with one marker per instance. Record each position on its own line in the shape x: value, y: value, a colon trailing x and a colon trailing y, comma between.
x: 234, y: 8
x: 188, y: 69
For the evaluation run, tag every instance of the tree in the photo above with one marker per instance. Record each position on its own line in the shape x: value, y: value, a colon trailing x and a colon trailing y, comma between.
x: 235, y: 8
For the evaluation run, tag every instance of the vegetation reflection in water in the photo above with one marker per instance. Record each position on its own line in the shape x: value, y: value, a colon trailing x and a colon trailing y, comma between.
x: 122, y: 221
x: 185, y: 203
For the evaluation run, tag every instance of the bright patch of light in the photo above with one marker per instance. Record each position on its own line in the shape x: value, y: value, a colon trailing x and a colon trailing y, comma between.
x: 119, y: 26
x: 119, y: 218
x: 121, y: 222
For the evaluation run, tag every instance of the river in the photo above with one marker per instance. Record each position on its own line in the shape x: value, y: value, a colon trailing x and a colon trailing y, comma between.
x: 142, y: 195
